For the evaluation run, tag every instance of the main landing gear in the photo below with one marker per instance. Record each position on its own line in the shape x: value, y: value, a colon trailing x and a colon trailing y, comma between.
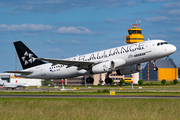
x: 89, y: 80
x: 108, y: 80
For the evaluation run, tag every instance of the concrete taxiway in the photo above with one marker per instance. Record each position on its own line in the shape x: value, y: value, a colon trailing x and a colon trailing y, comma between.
x: 91, y: 96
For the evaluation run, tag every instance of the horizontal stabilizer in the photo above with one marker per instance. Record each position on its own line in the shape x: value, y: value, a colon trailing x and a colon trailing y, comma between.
x: 19, y: 72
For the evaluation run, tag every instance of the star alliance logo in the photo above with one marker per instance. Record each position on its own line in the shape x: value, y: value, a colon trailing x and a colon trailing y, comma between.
x: 28, y: 58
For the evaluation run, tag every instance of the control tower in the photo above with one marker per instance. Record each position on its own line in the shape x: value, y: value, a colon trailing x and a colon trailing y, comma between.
x: 134, y: 34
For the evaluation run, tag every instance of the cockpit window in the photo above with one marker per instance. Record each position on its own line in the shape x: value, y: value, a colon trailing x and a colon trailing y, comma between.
x: 161, y: 43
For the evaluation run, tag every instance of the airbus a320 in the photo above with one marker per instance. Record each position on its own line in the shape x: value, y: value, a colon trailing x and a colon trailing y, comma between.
x: 124, y: 60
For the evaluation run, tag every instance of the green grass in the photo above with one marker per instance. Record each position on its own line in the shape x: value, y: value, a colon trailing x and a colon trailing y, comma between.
x: 88, y: 108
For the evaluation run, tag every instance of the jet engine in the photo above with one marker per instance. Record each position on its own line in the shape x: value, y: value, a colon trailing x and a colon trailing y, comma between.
x: 103, y: 67
x: 129, y: 70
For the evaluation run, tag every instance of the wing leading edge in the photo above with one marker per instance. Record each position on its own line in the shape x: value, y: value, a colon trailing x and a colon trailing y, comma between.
x: 82, y: 64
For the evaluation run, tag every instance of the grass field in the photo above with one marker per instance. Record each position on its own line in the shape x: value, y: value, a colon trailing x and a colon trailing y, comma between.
x: 92, y: 108
x: 88, y: 108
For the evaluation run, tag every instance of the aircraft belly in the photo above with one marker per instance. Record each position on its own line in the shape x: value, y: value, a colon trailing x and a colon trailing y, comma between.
x: 63, y: 72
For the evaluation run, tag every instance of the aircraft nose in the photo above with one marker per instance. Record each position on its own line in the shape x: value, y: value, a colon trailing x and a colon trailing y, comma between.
x: 173, y: 48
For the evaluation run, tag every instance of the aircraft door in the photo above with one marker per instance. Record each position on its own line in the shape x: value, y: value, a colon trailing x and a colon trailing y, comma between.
x: 43, y: 71
x: 148, y: 47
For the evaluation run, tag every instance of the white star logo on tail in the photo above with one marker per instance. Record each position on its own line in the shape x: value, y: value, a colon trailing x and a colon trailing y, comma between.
x: 28, y: 58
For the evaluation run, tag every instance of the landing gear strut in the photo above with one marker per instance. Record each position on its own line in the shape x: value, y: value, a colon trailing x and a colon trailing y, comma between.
x: 108, y: 80
x: 154, y: 65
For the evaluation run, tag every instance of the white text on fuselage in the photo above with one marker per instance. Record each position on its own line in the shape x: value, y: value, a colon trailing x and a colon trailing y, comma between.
x: 107, y: 53
x: 112, y: 52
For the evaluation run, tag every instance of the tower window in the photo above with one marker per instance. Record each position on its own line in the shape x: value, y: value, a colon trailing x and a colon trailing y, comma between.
x: 133, y: 31
x: 139, y: 31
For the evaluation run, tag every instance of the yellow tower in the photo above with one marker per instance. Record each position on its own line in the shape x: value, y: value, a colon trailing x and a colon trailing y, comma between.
x: 134, y: 34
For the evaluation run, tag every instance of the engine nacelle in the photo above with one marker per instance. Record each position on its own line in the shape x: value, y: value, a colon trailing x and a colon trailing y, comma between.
x: 103, y: 67
x: 129, y: 70
x: 119, y: 62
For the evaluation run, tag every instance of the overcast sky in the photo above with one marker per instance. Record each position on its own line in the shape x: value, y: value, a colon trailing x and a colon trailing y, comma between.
x: 64, y: 28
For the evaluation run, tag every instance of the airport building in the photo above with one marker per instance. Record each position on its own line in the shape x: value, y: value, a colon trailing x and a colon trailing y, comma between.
x: 163, y: 69
x: 10, y: 78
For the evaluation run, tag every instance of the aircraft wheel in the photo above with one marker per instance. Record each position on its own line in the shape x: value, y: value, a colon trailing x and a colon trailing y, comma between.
x: 89, y: 80
x: 108, y: 80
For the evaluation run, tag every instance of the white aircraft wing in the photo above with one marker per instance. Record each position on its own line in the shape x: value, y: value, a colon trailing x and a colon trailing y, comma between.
x: 68, y: 62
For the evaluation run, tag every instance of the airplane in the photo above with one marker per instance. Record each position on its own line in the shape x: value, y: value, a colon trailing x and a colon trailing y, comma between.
x: 124, y: 60
x: 12, y: 86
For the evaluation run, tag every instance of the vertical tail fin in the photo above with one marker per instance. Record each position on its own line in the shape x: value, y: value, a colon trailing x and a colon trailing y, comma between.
x: 26, y: 56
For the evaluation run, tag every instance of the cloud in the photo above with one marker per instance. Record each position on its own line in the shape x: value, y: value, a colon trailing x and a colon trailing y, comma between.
x: 55, y: 41
x: 109, y: 20
x: 40, y: 27
x: 175, y: 12
x: 176, y: 29
x: 76, y: 41
x: 156, y: 19
x: 58, y: 41
x: 73, y: 30
x: 158, y: 36
x: 25, y: 27
x: 155, y: 0
x: 55, y: 50
x: 31, y: 34
x: 53, y: 6
x: 172, y: 5
x: 168, y: 19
